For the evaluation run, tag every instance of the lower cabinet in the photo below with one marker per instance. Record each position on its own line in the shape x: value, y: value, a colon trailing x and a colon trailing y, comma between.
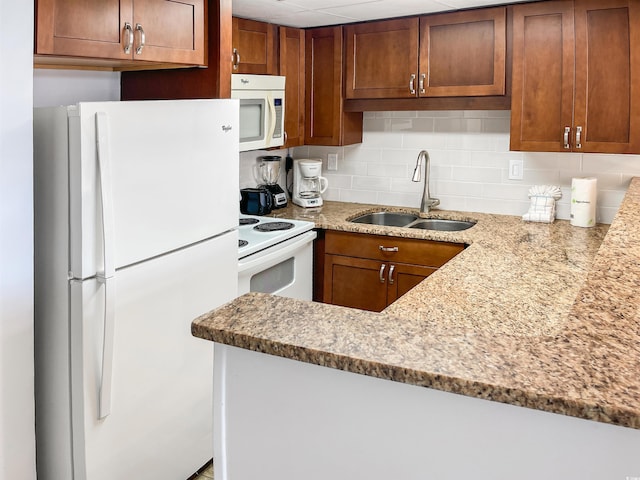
x: 370, y: 272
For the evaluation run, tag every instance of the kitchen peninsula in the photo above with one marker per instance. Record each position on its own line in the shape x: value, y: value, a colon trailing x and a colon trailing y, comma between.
x: 529, y: 315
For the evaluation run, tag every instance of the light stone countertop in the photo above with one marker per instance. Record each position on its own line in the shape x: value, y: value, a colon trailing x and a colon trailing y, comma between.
x: 536, y: 315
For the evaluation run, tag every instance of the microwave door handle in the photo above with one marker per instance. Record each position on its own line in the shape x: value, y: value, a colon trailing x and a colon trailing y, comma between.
x: 272, y: 121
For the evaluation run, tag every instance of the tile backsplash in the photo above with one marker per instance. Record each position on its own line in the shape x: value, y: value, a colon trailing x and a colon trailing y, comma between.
x: 469, y: 152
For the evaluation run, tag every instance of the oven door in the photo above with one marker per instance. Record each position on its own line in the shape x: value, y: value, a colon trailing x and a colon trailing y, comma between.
x: 286, y: 269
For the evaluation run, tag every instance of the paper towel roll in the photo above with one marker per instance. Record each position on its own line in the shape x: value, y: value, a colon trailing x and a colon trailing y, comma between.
x: 584, y: 192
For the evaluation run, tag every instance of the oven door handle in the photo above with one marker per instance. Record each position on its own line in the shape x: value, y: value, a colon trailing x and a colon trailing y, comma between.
x: 258, y: 261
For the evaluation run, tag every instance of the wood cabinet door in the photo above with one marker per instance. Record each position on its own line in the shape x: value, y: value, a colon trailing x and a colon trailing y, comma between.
x: 174, y: 31
x: 326, y: 122
x: 463, y: 53
x: 543, y: 75
x: 402, y: 277
x: 382, y: 59
x: 607, y: 85
x: 253, y: 47
x: 83, y: 28
x: 292, y: 67
x: 355, y: 282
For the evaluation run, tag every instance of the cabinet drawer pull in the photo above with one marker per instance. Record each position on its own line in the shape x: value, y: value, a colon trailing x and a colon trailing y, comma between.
x: 578, y: 137
x: 565, y: 141
x: 142, y: 39
x: 391, y: 269
x: 388, y: 249
x: 412, y: 84
x: 128, y: 32
x: 381, y: 274
x: 421, y: 83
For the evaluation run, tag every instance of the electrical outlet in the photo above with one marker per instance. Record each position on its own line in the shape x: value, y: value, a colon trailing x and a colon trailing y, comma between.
x: 516, y: 169
x: 332, y: 161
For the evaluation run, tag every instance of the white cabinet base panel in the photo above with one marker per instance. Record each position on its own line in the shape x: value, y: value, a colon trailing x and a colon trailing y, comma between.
x: 279, y: 419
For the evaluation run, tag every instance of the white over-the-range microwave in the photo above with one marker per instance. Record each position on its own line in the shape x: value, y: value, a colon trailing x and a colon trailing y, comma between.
x: 261, y: 110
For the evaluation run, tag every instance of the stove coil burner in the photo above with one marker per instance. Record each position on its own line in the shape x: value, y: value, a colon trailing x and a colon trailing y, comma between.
x: 273, y: 226
x: 248, y: 221
x: 242, y: 243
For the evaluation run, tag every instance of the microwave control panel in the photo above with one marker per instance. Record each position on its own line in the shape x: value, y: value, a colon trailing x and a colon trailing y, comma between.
x: 277, y: 102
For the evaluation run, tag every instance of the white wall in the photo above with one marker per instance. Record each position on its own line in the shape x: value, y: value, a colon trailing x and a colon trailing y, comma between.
x: 470, y: 155
x: 66, y: 87
x: 17, y: 441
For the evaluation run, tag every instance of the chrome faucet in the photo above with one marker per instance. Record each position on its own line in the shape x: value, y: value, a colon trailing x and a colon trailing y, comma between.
x: 427, y: 201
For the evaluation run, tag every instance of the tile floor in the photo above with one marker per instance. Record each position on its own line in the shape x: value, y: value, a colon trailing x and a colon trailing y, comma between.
x: 205, y: 474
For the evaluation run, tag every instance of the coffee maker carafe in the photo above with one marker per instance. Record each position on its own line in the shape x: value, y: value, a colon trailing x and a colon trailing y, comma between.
x: 308, y: 184
x: 267, y: 173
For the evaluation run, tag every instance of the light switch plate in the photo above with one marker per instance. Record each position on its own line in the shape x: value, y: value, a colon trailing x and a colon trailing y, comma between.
x: 516, y: 169
x: 332, y: 161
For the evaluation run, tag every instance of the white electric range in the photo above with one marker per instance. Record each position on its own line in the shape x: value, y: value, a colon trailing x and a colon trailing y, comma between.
x: 275, y: 256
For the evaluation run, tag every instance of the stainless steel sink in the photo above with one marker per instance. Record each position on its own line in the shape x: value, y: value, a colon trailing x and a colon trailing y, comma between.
x: 389, y: 219
x: 441, y: 224
x: 409, y: 220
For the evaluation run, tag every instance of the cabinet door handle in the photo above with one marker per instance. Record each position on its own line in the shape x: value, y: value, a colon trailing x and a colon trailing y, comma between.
x: 388, y: 249
x: 128, y: 32
x: 142, y: 39
x: 578, y: 137
x: 235, y: 58
x: 565, y: 141
x: 412, y: 84
x: 421, y: 83
x: 391, y: 269
x: 381, y: 273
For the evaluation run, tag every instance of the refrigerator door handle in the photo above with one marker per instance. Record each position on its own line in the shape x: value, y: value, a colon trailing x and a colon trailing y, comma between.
x: 107, y: 276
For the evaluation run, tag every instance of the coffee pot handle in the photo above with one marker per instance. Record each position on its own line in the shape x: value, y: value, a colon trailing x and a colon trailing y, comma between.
x: 324, y: 184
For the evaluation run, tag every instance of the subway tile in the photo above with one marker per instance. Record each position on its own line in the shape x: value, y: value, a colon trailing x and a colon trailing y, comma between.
x: 610, y: 198
x: 387, y: 170
x: 608, y: 181
x: 398, y: 156
x: 371, y: 183
x: 628, y: 164
x: 338, y: 181
x: 492, y: 159
x: 476, y: 174
x: 362, y: 196
x: 539, y: 177
x: 348, y: 167
x: 495, y: 125
x: 458, y: 189
x: 382, y: 139
x: 362, y: 155
x: 506, y: 192
x: 332, y: 194
x: 457, y: 125
x: 405, y: 185
x: 453, y: 203
x: 399, y: 199
x: 423, y: 141
x: 374, y: 125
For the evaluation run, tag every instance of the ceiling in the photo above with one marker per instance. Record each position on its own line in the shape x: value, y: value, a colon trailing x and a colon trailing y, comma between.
x: 315, y: 13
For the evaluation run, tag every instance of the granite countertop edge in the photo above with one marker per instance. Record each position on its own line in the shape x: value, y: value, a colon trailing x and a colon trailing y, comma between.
x: 572, y: 347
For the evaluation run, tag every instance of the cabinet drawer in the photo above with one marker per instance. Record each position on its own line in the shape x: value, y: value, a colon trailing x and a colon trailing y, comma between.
x: 391, y: 249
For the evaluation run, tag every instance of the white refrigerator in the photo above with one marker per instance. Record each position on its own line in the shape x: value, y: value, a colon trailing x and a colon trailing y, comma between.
x: 135, y: 235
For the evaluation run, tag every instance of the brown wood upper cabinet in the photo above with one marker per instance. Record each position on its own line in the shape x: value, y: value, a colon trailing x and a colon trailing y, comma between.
x: 326, y: 121
x: 292, y: 67
x: 254, y: 47
x: 445, y: 55
x: 159, y: 31
x: 576, y: 76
